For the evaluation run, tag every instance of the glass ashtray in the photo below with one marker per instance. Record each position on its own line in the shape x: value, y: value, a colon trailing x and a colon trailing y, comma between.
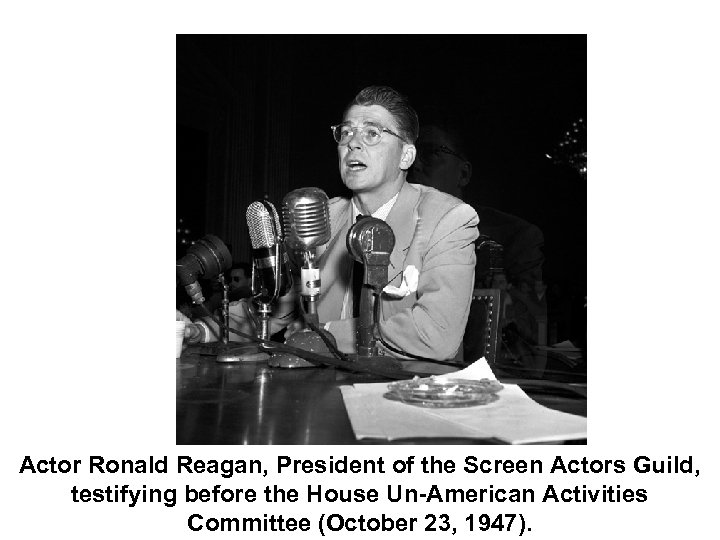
x: 444, y: 393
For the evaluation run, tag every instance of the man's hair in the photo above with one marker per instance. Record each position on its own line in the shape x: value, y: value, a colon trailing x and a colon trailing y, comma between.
x: 396, y: 103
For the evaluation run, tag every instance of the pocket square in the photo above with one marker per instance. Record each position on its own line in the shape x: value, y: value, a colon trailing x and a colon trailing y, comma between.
x: 409, y: 283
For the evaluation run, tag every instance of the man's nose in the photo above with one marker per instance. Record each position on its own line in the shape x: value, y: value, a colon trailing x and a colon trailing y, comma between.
x: 355, y: 141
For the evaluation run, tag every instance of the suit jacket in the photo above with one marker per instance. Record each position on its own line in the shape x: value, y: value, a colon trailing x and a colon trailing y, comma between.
x: 435, y: 232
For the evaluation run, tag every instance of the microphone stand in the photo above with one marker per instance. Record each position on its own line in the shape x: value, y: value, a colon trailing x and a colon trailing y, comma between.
x: 225, y: 353
x: 370, y: 241
x: 375, y: 270
x: 263, y: 308
x: 263, y: 312
x: 225, y: 310
x: 310, y: 286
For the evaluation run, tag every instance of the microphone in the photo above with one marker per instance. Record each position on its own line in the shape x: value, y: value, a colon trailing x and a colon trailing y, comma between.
x: 306, y: 220
x: 271, y: 276
x: 208, y: 258
x: 370, y: 241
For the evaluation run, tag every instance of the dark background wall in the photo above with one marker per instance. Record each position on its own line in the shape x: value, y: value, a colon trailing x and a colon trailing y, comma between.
x: 254, y: 112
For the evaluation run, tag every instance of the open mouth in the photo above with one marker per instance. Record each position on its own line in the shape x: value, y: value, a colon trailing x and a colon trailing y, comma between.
x: 355, y: 165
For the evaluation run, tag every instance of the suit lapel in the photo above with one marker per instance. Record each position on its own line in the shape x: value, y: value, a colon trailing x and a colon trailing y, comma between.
x: 399, y: 219
x: 339, y: 225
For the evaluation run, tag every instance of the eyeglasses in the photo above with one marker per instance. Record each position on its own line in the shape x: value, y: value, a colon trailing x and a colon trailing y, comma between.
x: 370, y: 134
x: 430, y: 154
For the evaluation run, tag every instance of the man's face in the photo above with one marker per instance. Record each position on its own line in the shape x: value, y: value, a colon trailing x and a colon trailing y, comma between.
x: 373, y: 169
x: 238, y: 279
x: 437, y: 168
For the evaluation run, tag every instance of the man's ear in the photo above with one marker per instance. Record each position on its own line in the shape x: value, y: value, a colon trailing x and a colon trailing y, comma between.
x: 408, y: 156
x: 465, y: 174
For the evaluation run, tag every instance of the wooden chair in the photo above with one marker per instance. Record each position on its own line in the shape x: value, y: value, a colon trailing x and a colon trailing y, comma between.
x: 485, y: 309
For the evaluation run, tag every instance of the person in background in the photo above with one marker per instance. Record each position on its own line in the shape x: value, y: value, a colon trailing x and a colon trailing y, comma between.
x: 239, y: 279
x: 442, y: 163
x: 433, y: 261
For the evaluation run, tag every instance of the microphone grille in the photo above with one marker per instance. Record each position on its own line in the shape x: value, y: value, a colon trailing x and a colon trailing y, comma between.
x: 306, y: 218
x: 261, y: 226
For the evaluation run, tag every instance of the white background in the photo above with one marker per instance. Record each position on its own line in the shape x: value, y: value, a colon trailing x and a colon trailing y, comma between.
x: 88, y: 155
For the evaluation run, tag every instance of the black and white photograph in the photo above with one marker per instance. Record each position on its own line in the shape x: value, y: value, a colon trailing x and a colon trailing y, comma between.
x: 381, y: 238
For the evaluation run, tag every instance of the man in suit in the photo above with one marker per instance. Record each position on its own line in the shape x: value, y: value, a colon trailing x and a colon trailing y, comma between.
x: 432, y: 264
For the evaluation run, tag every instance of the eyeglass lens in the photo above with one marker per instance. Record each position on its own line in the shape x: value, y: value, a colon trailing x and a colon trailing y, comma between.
x: 368, y: 134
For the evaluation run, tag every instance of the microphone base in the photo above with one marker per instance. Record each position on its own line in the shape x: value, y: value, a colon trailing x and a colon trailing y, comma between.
x: 306, y: 340
x: 228, y: 354
x: 288, y: 361
x: 229, y: 358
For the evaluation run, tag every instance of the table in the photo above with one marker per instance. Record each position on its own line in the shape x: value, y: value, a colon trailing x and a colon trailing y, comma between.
x: 251, y: 403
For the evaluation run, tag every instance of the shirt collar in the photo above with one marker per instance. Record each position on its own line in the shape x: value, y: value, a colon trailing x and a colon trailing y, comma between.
x: 380, y: 213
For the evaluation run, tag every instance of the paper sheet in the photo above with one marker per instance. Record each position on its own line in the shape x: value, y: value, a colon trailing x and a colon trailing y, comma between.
x: 514, y: 418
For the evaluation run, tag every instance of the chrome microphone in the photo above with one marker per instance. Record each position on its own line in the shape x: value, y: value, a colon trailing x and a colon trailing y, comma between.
x: 271, y: 276
x: 306, y: 220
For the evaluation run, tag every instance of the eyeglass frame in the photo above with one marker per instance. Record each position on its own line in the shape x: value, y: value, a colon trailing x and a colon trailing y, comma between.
x: 362, y: 129
x: 444, y: 149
